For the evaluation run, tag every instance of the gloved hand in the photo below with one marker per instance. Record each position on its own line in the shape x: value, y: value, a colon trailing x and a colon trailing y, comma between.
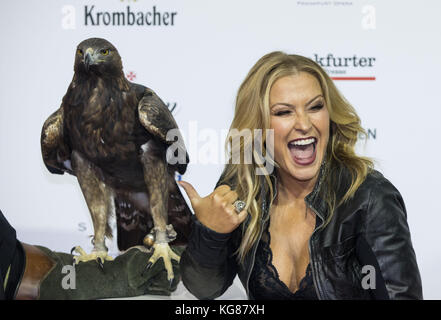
x: 125, y: 276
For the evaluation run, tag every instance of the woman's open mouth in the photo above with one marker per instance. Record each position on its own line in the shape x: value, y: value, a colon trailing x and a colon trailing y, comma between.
x: 303, y: 151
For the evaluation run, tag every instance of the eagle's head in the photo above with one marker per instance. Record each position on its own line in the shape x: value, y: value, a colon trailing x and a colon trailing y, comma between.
x: 99, y: 57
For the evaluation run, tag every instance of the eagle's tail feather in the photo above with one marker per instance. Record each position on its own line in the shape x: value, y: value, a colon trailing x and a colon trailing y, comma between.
x: 132, y: 222
x: 179, y: 214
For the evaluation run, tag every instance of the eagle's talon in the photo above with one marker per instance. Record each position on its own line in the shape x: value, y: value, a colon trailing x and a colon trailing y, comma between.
x: 147, y: 267
x: 100, y: 263
x: 99, y: 256
x: 162, y: 250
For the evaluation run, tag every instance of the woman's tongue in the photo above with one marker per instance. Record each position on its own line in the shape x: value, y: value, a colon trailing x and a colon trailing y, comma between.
x: 302, y: 152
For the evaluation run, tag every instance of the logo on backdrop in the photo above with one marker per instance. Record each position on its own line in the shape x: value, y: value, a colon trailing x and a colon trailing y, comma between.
x: 371, y: 134
x: 131, y: 76
x: 351, y: 67
x: 310, y: 3
x: 92, y: 15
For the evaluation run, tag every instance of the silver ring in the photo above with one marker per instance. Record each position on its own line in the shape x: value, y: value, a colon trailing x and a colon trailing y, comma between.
x: 239, y: 205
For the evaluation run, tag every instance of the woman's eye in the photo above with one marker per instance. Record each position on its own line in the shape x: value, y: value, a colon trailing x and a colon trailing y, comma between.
x: 105, y: 52
x: 317, y: 107
x: 282, y: 112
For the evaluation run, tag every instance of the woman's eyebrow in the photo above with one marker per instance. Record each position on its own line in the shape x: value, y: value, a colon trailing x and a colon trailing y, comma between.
x: 283, y: 104
x: 312, y: 100
x: 293, y: 106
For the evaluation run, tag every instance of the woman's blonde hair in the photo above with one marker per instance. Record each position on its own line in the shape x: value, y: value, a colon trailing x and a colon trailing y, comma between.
x: 253, y: 112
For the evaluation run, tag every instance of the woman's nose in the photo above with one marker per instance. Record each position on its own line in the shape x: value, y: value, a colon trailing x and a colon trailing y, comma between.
x: 303, y: 122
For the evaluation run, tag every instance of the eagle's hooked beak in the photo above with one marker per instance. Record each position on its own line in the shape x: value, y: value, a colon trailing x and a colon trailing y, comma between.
x: 88, y: 59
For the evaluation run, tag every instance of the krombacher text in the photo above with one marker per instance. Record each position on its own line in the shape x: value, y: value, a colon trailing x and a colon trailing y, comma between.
x: 127, y: 17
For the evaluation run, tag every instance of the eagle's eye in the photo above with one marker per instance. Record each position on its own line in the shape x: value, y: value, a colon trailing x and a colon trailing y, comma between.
x: 80, y: 52
x: 104, y: 52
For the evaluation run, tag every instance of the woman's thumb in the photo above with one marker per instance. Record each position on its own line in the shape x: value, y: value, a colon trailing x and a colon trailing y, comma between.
x: 190, y: 191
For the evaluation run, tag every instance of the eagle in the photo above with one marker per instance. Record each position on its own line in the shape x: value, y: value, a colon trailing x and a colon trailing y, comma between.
x: 112, y: 135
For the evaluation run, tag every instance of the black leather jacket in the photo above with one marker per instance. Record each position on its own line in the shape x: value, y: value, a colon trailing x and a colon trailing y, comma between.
x: 368, y: 230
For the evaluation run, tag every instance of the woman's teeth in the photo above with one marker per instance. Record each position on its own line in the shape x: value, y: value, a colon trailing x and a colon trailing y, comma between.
x: 302, y: 142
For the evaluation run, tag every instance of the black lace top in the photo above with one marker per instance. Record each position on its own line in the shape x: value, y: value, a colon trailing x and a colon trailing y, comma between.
x: 265, y: 283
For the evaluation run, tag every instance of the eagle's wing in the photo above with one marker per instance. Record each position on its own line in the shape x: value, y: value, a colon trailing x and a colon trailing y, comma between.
x: 55, y: 153
x: 158, y: 120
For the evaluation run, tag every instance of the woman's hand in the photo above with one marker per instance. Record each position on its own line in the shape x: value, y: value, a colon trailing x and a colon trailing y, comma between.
x: 215, y: 211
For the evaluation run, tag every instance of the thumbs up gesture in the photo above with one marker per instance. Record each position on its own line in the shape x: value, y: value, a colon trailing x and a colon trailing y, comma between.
x: 215, y: 211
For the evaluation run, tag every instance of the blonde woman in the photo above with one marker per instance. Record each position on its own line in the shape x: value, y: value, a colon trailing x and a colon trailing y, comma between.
x: 323, y: 225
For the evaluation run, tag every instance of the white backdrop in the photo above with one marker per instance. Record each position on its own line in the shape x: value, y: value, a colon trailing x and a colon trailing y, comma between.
x: 198, y: 62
